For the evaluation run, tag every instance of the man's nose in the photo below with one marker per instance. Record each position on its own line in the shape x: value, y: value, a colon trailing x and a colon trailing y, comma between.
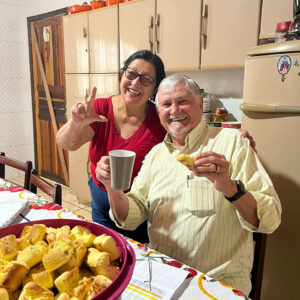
x: 174, y: 108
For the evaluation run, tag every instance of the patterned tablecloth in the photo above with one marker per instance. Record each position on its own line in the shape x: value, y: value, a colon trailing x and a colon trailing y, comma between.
x: 153, y: 268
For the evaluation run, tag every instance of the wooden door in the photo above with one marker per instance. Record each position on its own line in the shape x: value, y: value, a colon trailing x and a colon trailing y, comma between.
x: 48, y: 32
x: 229, y: 29
x: 104, y: 40
x: 75, y: 29
x: 178, y: 34
x: 136, y: 27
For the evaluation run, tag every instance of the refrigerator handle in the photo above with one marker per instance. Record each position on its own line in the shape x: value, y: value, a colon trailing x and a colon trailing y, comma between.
x: 270, y: 108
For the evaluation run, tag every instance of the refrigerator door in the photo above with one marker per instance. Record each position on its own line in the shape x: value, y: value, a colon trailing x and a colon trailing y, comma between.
x: 272, y: 80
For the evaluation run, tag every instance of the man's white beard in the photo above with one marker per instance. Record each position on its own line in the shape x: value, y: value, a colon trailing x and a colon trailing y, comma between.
x: 179, y: 132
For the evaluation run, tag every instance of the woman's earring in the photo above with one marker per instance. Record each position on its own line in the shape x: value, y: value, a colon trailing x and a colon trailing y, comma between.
x: 152, y: 99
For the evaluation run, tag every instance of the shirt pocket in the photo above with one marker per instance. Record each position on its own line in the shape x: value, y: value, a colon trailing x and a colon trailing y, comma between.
x: 201, y: 198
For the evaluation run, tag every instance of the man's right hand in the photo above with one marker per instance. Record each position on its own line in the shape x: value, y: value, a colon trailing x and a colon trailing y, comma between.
x: 83, y: 114
x: 103, y: 171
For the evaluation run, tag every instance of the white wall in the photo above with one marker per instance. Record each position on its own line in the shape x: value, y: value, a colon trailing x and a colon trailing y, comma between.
x: 16, y: 138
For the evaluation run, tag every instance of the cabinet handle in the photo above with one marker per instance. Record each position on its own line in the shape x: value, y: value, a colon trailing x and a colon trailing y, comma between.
x: 150, y: 30
x: 157, y: 19
x: 84, y: 34
x: 157, y: 25
x: 86, y: 94
x: 204, y: 26
x: 203, y: 40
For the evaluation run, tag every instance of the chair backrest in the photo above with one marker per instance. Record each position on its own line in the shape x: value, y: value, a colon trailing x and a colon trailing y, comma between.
x: 260, y: 240
x: 51, y: 190
x: 23, y: 166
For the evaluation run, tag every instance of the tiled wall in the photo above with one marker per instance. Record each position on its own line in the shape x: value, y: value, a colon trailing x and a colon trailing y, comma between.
x: 16, y: 138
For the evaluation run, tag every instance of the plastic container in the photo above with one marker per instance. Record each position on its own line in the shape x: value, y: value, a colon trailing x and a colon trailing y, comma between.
x: 214, y: 124
x: 206, y: 116
x: 236, y: 125
x: 97, y: 4
x: 113, y: 2
x: 127, y: 259
x: 79, y: 8
x: 281, y: 31
x: 206, y: 102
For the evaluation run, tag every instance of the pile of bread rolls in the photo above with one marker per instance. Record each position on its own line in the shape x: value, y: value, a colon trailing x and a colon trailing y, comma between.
x: 56, y: 263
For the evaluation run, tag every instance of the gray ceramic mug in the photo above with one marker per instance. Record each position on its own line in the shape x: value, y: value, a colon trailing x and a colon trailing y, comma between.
x: 121, y: 166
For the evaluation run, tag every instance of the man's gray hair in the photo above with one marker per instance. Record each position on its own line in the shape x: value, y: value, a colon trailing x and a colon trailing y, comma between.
x: 168, y: 83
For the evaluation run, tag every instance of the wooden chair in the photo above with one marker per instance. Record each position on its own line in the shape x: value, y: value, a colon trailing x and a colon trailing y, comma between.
x: 51, y: 190
x: 260, y: 240
x: 23, y: 166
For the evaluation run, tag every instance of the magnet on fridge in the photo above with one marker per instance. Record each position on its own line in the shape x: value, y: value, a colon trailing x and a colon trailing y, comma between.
x: 283, y: 66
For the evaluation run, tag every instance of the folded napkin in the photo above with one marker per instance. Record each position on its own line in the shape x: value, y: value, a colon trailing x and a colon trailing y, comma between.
x: 153, y: 280
x: 10, y: 208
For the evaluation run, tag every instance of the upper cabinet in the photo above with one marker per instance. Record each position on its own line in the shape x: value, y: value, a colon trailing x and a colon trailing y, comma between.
x: 177, y: 37
x: 104, y: 40
x: 170, y: 29
x: 136, y: 25
x: 229, y: 29
x: 76, y: 43
x: 187, y: 35
x: 91, y: 41
x: 274, y: 12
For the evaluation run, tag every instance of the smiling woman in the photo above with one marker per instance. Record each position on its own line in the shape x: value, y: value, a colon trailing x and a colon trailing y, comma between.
x: 127, y: 121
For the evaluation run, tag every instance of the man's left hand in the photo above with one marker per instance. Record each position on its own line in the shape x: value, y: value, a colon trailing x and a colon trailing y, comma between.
x: 215, y: 168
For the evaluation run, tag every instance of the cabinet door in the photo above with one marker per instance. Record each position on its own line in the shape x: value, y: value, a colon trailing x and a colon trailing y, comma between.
x: 230, y: 28
x: 77, y: 89
x: 107, y: 84
x: 178, y: 33
x: 104, y: 40
x: 273, y: 12
x: 136, y: 27
x: 76, y: 43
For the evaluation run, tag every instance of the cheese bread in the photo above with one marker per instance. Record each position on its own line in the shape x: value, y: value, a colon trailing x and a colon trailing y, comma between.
x: 186, y: 160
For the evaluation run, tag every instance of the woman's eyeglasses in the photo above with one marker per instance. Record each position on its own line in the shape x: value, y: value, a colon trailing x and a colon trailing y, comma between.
x: 132, y: 74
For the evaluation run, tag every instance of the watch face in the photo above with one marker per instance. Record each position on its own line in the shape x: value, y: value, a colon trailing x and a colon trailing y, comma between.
x: 240, y: 186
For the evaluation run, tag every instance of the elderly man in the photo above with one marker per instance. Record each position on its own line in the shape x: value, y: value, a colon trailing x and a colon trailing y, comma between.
x: 203, y: 216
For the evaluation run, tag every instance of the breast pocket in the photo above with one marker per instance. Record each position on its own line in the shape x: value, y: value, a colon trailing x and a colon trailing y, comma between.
x: 201, y: 198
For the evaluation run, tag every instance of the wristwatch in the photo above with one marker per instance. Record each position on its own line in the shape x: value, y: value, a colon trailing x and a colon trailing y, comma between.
x: 241, y: 191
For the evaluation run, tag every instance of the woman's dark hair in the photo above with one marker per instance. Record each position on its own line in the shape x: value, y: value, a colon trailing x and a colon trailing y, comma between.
x: 154, y: 59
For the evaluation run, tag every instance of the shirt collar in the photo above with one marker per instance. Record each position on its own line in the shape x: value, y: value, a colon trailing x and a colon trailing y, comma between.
x: 191, y: 140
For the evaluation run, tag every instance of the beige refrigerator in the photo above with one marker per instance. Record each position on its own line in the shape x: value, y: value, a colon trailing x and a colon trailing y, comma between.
x: 271, y: 113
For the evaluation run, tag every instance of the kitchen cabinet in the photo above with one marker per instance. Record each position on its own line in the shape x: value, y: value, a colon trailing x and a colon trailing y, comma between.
x: 229, y: 29
x: 136, y: 25
x: 91, y: 41
x: 273, y: 12
x: 76, y: 43
x: 104, y: 40
x: 91, y: 46
x: 78, y: 87
x: 169, y: 29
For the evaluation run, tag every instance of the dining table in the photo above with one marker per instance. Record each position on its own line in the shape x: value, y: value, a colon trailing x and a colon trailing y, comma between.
x: 156, y: 276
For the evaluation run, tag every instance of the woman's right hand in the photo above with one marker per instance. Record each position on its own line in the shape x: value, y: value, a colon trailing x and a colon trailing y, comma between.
x: 83, y: 113
x: 103, y: 170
